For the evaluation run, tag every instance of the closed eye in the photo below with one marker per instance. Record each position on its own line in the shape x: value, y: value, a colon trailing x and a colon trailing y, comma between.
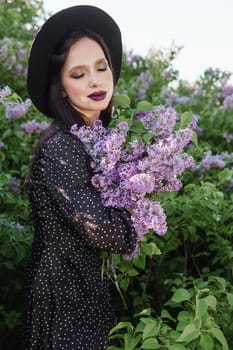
x: 77, y: 75
x: 102, y: 68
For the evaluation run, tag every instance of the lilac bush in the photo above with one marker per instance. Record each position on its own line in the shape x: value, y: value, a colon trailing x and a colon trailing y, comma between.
x: 129, y: 173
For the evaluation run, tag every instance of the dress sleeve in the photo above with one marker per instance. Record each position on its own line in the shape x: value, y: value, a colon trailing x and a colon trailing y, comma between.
x: 66, y: 176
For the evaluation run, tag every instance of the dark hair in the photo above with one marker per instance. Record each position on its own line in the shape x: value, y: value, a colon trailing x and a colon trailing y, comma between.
x: 61, y: 109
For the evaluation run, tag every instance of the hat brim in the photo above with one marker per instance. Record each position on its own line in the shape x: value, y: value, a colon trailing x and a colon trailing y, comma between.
x: 53, y: 32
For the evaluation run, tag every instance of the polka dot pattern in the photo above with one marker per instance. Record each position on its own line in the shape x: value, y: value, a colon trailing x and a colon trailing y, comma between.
x: 67, y: 302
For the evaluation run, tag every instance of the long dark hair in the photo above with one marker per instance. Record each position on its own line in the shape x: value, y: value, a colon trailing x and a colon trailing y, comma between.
x: 62, y: 112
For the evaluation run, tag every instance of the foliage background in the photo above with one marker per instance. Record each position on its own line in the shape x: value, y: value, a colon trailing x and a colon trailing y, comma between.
x: 178, y: 290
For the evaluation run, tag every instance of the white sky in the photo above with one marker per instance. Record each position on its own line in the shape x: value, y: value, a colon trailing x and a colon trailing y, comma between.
x: 203, y: 27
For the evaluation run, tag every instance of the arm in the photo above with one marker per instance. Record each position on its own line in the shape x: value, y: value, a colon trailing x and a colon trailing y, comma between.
x: 67, y: 178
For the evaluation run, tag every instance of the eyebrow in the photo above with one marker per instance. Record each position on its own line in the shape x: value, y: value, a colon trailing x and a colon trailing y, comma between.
x: 84, y: 66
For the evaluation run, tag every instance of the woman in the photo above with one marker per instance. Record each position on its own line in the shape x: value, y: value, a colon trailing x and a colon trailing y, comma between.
x: 74, y: 64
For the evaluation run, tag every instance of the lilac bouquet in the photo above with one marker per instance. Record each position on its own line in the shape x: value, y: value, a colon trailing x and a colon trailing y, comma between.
x: 135, y: 160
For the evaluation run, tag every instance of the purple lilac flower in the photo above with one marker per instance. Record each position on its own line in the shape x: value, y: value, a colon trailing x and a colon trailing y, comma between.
x: 33, y: 126
x: 142, y: 84
x: 227, y: 103
x: 17, y: 225
x: 125, y: 173
x: 22, y: 54
x: 132, y: 58
x: 178, y: 100
x: 133, y: 152
x: 6, y: 41
x: 140, y: 183
x: 1, y: 144
x: 199, y: 91
x: 212, y: 161
x: 197, y: 129
x: 15, y: 110
x: 148, y: 215
x: 174, y: 98
x: 167, y: 75
x: 225, y: 91
x: 19, y: 70
x: 228, y: 137
x: 3, y: 51
x: 160, y: 120
x: 6, y: 91
x: 14, y: 186
x: 10, y: 62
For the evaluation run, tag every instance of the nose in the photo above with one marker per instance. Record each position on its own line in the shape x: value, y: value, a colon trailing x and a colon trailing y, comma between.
x: 93, y: 79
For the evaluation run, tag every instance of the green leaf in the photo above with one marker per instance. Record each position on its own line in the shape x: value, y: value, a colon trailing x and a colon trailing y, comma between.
x: 184, y: 316
x: 218, y: 334
x: 185, y: 119
x: 132, y: 272
x: 130, y: 341
x: 230, y: 298
x: 144, y: 106
x: 138, y: 127
x: 140, y: 261
x: 206, y: 342
x: 145, y: 312
x: 194, y: 138
x: 166, y: 314
x: 120, y: 326
x: 151, y: 330
x: 122, y: 101
x: 177, y: 347
x: 150, y: 344
x: 124, y: 283
x: 201, y: 308
x: 148, y: 136
x: 150, y: 249
x: 180, y: 295
x: 189, y: 333
x: 211, y: 301
x: 224, y: 174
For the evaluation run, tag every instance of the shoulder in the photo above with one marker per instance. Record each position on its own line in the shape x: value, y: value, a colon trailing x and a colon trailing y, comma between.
x: 62, y: 143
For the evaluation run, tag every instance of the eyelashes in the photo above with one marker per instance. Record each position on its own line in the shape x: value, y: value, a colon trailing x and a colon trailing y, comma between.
x: 78, y: 75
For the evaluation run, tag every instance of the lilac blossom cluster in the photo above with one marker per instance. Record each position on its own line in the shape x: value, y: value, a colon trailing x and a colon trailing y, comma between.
x: 132, y: 58
x: 228, y: 137
x: 4, y: 92
x: 13, y: 224
x: 227, y: 103
x: 33, y: 126
x: 14, y: 186
x: 218, y: 161
x: 15, y: 110
x: 13, y: 55
x: 127, y: 173
x: 143, y: 82
x: 171, y: 99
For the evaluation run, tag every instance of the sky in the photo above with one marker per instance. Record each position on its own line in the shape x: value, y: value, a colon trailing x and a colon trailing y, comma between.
x: 203, y: 28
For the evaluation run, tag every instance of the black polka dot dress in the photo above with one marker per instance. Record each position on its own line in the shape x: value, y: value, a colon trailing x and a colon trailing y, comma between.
x: 67, y: 300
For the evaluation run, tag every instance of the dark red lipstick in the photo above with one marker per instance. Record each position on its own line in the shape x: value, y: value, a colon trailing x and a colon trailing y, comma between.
x: 98, y: 95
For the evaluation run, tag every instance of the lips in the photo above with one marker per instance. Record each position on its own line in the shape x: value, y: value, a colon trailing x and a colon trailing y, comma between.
x: 98, y: 96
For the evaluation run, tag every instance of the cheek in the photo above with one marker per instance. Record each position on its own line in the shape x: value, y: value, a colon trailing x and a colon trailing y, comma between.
x: 73, y: 89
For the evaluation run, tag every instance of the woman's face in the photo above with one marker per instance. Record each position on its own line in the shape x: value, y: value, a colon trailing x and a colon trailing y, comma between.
x: 87, y: 80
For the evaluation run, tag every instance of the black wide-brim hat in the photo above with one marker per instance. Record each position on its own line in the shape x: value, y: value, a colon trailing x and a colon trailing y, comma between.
x: 53, y: 32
